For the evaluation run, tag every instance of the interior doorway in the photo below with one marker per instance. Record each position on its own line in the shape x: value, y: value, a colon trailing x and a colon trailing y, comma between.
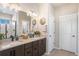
x: 68, y: 32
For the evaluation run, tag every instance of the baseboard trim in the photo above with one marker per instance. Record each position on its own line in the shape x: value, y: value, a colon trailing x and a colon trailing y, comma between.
x: 46, y: 54
x: 57, y: 48
x: 76, y: 54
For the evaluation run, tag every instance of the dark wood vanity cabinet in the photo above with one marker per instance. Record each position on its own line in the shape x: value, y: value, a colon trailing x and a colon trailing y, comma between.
x: 5, y: 52
x: 15, y: 51
x: 8, y: 52
x: 39, y: 47
x: 28, y: 49
x: 35, y: 48
x: 19, y: 50
x: 42, y: 46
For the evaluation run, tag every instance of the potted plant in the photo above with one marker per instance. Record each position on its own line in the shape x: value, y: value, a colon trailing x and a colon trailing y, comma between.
x: 1, y: 36
x: 37, y: 33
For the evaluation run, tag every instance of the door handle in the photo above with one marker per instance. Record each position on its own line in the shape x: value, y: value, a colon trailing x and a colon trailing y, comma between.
x: 73, y: 35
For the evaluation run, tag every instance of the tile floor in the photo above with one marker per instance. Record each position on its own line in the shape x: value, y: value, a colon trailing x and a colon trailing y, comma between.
x: 60, y: 52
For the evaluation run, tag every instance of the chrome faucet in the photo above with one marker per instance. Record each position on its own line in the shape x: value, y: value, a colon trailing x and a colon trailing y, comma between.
x: 12, y: 37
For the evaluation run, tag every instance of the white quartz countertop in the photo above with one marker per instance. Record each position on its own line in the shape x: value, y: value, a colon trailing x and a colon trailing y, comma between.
x: 6, y: 44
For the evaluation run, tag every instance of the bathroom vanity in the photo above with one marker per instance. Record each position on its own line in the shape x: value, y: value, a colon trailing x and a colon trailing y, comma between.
x: 19, y: 24
x: 24, y: 47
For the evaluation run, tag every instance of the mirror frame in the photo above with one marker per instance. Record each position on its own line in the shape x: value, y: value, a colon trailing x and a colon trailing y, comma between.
x: 42, y: 21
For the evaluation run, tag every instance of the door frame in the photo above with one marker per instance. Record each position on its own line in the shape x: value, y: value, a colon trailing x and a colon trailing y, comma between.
x: 60, y: 40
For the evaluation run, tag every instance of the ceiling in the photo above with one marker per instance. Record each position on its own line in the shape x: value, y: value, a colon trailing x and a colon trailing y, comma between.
x: 58, y: 4
x: 38, y: 4
x: 61, y: 4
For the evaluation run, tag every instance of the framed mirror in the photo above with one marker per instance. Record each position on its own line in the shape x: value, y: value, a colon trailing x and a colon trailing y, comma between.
x: 6, y: 24
x: 42, y: 21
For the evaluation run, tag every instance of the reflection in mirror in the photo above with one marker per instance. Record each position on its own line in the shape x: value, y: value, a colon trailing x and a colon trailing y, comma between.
x: 24, y: 23
x: 6, y: 25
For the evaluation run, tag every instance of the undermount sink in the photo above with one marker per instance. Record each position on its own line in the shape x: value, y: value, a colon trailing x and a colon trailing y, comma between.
x: 35, y: 38
x: 21, y: 40
x: 10, y: 44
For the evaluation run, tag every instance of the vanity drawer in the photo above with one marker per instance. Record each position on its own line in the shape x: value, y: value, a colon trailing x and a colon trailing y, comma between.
x: 36, y: 42
x: 28, y: 45
x: 42, y: 42
x: 42, y: 46
x: 36, y: 50
x: 28, y: 52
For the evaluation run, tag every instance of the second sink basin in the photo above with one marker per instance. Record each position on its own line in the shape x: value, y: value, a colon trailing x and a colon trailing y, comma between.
x: 10, y: 44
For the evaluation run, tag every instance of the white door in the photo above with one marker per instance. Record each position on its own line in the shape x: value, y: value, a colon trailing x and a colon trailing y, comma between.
x: 68, y: 32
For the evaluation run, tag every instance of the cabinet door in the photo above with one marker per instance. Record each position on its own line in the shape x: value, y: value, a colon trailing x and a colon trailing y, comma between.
x: 36, y: 48
x: 42, y: 46
x: 28, y: 52
x: 15, y: 51
x: 28, y: 49
x: 6, y: 52
x: 19, y: 50
x: 35, y: 51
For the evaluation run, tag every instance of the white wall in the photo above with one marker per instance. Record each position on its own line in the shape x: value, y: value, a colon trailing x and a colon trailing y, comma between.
x: 51, y: 28
x: 78, y: 29
x: 34, y: 7
x: 48, y: 12
x: 43, y: 12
